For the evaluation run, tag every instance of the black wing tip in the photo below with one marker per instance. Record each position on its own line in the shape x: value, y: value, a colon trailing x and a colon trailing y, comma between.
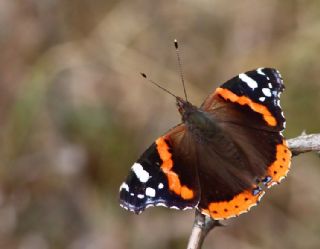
x: 273, y: 73
x: 271, y: 70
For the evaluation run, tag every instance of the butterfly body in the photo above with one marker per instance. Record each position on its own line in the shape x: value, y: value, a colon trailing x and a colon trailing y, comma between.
x: 219, y: 156
x: 199, y: 123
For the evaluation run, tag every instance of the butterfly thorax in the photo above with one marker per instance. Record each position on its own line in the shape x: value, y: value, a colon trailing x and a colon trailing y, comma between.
x: 203, y: 126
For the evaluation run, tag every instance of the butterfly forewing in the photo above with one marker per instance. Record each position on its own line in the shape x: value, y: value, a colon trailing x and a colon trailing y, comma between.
x: 258, y: 90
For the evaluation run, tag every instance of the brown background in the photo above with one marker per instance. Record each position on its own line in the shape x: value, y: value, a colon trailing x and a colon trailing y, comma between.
x: 75, y: 114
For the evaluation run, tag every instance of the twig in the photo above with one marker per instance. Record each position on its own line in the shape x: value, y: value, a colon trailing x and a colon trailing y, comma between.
x: 304, y: 143
x: 201, y: 227
x: 203, y: 224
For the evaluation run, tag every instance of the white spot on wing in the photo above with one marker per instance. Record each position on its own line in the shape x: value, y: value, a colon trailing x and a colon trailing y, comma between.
x: 186, y: 208
x: 175, y: 207
x: 261, y: 195
x: 266, y: 92
x: 279, y: 74
x: 161, y: 205
x: 141, y: 174
x: 262, y: 99
x: 124, y: 186
x: 140, y: 196
x: 272, y: 184
x: 269, y: 85
x: 150, y: 192
x: 160, y: 186
x: 278, y: 103
x: 125, y: 207
x: 259, y: 71
x: 250, y: 82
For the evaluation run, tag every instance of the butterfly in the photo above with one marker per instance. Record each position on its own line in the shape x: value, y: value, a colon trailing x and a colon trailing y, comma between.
x: 223, y: 155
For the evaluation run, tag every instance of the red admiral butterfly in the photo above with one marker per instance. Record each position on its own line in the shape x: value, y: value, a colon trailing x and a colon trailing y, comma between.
x: 221, y: 155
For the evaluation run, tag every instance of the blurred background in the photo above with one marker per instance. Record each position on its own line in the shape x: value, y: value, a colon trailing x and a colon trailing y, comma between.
x: 75, y: 114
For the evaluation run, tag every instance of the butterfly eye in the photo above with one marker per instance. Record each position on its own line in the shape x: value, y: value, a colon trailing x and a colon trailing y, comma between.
x: 180, y: 104
x: 180, y: 109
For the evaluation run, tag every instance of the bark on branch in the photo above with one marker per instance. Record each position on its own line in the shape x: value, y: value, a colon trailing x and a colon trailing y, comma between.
x: 203, y: 224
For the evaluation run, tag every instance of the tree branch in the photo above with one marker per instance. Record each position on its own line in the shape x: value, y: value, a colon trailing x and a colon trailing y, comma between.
x: 201, y: 227
x: 204, y: 224
x: 304, y: 143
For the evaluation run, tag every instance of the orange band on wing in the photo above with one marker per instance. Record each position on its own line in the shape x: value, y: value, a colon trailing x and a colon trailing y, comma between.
x: 243, y: 100
x: 241, y: 203
x: 280, y: 167
x: 245, y: 200
x: 167, y: 164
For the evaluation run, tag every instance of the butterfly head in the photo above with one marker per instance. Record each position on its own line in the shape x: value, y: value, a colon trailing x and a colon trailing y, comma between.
x: 185, y: 108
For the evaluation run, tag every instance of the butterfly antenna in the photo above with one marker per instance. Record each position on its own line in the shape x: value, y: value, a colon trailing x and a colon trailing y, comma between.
x: 180, y: 67
x: 154, y: 83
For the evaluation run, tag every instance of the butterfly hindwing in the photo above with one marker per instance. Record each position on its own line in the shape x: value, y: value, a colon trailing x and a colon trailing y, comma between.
x: 161, y: 177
